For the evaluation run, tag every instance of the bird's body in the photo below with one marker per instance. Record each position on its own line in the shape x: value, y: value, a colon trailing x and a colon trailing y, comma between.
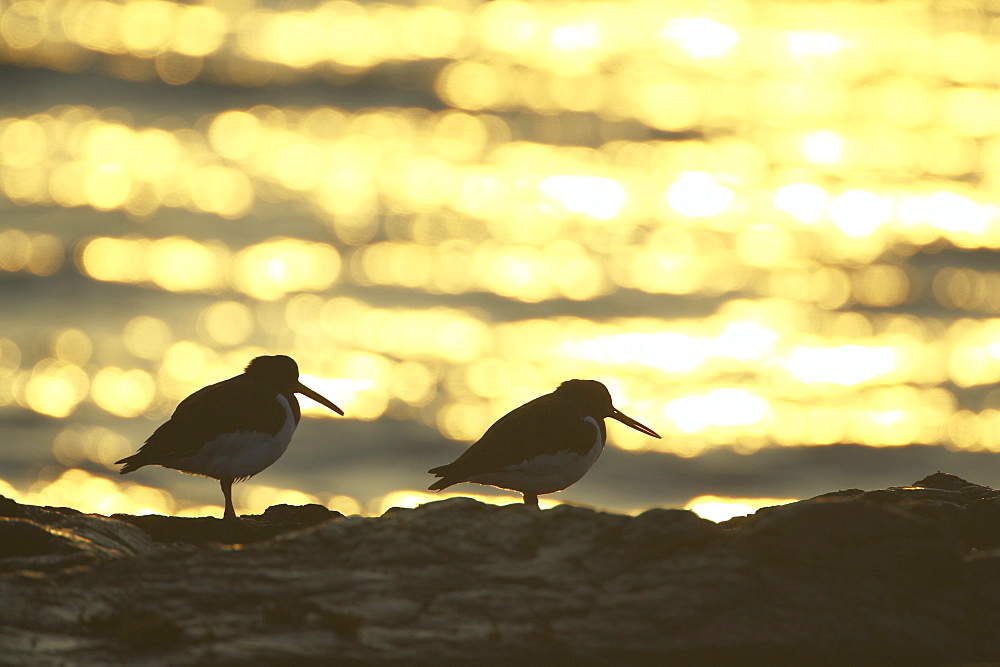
x: 233, y: 429
x: 543, y: 446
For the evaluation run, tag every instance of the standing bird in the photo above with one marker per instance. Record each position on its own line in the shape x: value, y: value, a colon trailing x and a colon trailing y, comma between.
x: 233, y: 429
x: 543, y: 446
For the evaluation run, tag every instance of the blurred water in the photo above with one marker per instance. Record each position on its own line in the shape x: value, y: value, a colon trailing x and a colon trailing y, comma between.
x: 796, y: 284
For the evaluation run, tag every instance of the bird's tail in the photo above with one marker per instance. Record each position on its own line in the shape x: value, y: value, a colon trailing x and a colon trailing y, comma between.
x: 130, y: 464
x: 444, y: 482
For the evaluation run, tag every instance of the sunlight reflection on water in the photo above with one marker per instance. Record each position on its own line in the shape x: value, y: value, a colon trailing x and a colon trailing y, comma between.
x: 719, y: 509
x: 761, y: 224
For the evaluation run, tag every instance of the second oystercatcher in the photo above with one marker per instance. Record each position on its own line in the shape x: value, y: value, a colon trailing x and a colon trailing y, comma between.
x: 543, y: 446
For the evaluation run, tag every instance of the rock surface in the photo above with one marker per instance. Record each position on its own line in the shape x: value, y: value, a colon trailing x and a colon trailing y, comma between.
x: 900, y: 575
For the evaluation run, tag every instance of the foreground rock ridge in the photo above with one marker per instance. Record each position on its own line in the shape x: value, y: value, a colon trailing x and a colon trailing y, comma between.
x: 905, y: 574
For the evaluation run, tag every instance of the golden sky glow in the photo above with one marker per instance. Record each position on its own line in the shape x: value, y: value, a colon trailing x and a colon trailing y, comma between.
x: 795, y: 168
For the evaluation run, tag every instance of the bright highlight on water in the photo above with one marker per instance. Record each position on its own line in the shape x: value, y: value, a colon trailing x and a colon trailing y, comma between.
x: 761, y: 224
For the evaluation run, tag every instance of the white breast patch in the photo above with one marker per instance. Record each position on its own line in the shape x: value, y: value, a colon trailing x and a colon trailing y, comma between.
x: 243, y: 453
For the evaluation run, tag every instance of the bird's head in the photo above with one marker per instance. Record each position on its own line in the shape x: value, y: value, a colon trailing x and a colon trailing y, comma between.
x: 282, y: 372
x: 595, y: 399
x: 279, y: 370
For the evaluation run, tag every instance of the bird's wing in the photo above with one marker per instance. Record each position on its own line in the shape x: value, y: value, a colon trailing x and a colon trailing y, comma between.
x: 201, y: 417
x: 539, y: 427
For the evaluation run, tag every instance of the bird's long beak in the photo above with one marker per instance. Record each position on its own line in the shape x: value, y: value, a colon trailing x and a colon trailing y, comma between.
x: 306, y: 391
x: 628, y: 421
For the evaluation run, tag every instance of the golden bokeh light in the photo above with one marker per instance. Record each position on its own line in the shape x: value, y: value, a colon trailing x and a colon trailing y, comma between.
x: 72, y: 346
x: 123, y: 393
x: 75, y: 444
x: 55, y: 387
x: 146, y: 337
x: 532, y: 194
x: 703, y: 37
x: 227, y: 323
x: 91, y: 493
x: 10, y: 355
x: 720, y: 407
x: 761, y: 224
x: 718, y: 509
x: 40, y: 254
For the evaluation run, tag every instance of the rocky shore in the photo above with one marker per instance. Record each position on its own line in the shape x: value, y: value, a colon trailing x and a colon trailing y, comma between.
x: 900, y: 575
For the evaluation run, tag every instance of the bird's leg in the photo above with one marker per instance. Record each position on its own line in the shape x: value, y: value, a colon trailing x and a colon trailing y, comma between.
x: 227, y: 491
x: 531, y: 500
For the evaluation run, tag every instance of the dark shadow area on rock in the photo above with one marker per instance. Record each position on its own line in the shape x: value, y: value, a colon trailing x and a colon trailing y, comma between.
x: 902, y: 575
x: 27, y: 530
x: 275, y: 520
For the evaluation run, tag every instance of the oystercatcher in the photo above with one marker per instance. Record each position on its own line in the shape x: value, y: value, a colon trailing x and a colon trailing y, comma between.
x: 233, y: 429
x: 543, y: 446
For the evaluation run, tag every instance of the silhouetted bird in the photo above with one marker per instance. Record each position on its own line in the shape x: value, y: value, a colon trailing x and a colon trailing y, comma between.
x: 543, y: 446
x: 233, y: 429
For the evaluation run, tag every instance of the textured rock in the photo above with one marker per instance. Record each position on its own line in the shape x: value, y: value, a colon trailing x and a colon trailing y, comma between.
x: 889, y: 576
x: 198, y: 530
x: 66, y: 541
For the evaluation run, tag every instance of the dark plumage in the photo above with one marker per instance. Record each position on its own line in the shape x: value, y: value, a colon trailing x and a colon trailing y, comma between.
x: 543, y: 446
x: 233, y: 429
